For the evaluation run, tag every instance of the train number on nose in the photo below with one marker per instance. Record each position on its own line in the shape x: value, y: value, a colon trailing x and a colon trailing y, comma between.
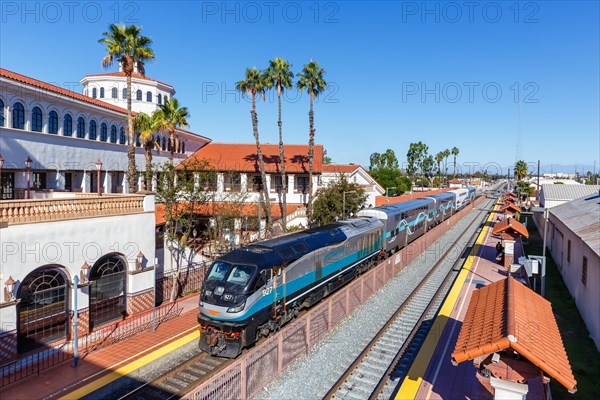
x: 267, y: 291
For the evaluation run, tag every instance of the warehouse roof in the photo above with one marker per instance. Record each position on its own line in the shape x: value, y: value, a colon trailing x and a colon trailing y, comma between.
x: 500, y: 316
x: 582, y: 217
x: 567, y: 192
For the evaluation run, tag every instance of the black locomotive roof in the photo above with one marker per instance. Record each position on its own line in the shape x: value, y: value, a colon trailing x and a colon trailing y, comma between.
x: 286, y: 248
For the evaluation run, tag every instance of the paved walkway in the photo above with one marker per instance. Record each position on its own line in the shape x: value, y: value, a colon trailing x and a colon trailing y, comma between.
x: 110, y: 363
x: 442, y: 380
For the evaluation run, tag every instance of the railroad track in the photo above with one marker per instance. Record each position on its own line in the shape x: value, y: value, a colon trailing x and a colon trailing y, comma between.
x: 176, y: 382
x: 368, y: 377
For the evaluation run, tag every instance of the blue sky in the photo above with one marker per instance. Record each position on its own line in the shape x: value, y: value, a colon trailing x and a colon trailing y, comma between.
x: 440, y: 72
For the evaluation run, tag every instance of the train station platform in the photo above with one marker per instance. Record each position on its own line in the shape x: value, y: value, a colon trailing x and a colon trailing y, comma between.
x: 103, y: 366
x: 432, y: 375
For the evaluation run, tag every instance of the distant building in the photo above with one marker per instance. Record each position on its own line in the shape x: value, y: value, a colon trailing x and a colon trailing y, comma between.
x: 574, y: 242
x: 455, y: 183
x: 355, y: 174
x: 553, y: 195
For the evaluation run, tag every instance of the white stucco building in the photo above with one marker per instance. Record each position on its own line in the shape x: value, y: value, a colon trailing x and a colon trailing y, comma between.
x: 354, y: 174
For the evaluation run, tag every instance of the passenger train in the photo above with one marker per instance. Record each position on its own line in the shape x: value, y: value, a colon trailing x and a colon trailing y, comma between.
x: 254, y: 290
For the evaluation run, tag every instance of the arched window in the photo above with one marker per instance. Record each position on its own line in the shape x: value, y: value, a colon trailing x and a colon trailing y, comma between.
x: 124, y: 92
x: 113, y: 134
x: 137, y: 140
x: 164, y: 144
x: 80, y: 128
x: 114, y: 93
x: 101, y: 92
x: 103, y: 132
x: 138, y: 95
x: 107, y: 292
x: 36, y: 119
x: 159, y: 99
x: 166, y: 98
x: 92, y: 135
x: 122, y: 136
x: 95, y: 93
x: 18, y: 116
x: 156, y: 141
x: 149, y: 96
x: 53, y: 122
x: 68, y: 125
x: 1, y: 113
x: 182, y: 147
x: 42, y: 311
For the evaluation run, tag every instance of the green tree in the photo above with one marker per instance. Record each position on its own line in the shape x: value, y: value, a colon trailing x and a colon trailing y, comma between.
x: 385, y: 169
x: 455, y: 152
x: 385, y: 160
x: 520, y: 169
x: 169, y: 117
x: 329, y: 201
x: 311, y: 80
x: 326, y: 158
x: 439, y: 157
x: 446, y: 155
x: 145, y: 126
x: 254, y: 85
x: 183, y: 202
x: 279, y: 75
x: 427, y: 168
x: 417, y: 152
x: 131, y: 50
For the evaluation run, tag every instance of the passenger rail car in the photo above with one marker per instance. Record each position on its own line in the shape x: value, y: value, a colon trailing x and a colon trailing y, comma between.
x: 256, y: 289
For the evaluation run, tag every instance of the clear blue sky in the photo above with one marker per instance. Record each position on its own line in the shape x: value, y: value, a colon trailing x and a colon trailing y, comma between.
x: 399, y: 71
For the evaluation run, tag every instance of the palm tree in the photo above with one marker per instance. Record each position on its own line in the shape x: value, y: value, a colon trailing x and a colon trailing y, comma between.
x: 311, y: 80
x: 131, y: 50
x: 455, y: 152
x: 146, y: 125
x: 520, y: 169
x: 278, y: 75
x: 254, y: 85
x: 446, y: 155
x: 169, y: 117
x: 439, y: 158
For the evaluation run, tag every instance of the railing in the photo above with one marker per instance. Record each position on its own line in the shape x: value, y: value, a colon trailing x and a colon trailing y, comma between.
x: 254, y: 370
x: 30, y: 211
x: 190, y: 280
x: 300, y: 212
x: 33, y: 364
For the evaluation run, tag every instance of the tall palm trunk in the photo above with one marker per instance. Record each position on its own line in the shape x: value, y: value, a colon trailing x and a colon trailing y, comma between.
x: 261, y: 164
x: 148, y: 153
x: 282, y: 158
x: 172, y: 144
x: 131, y: 169
x: 311, y: 145
x: 454, y: 167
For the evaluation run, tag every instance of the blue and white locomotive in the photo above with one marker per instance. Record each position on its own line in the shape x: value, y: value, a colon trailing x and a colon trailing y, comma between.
x: 254, y: 290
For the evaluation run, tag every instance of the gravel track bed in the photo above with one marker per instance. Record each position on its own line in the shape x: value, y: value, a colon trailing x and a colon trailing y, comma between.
x: 312, y: 375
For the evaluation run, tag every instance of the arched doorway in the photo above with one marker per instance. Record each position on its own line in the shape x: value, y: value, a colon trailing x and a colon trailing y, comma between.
x: 107, y: 291
x: 43, y: 308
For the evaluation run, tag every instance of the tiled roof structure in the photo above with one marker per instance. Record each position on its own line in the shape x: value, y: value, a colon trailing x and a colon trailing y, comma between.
x: 242, y: 157
x: 344, y: 168
x: 511, y: 207
x: 454, y: 181
x: 510, y: 225
x: 568, y: 192
x: 507, y: 314
x: 59, y: 90
x: 244, y: 210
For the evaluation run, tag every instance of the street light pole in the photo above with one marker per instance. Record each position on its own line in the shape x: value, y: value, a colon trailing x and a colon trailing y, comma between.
x: 28, y: 165
x: 344, y: 203
x: 387, y: 197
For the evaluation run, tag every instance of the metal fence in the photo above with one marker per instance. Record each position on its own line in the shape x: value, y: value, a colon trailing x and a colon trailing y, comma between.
x: 35, y: 363
x: 253, y: 371
x: 190, y: 280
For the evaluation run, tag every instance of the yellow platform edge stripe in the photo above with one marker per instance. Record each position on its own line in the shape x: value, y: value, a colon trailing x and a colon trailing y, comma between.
x: 127, y: 369
x: 410, y: 386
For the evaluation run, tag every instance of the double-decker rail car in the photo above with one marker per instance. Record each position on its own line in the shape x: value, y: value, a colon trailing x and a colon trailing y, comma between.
x: 403, y: 222
x: 444, y: 206
x: 256, y: 289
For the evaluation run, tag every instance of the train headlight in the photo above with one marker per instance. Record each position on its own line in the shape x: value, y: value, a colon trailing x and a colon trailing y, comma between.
x: 237, y: 308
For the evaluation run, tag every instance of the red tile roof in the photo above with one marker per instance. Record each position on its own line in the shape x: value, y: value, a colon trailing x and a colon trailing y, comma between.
x: 510, y: 206
x: 454, y: 181
x: 242, y: 157
x: 59, y: 90
x: 510, y: 225
x: 133, y: 75
x: 245, y: 210
x: 340, y: 168
x: 507, y: 314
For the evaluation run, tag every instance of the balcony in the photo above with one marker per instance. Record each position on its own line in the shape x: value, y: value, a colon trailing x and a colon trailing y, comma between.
x: 61, y: 206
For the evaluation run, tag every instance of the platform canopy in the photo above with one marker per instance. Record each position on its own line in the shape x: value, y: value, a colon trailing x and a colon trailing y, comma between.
x: 510, y: 226
x: 508, y: 315
x: 511, y: 207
